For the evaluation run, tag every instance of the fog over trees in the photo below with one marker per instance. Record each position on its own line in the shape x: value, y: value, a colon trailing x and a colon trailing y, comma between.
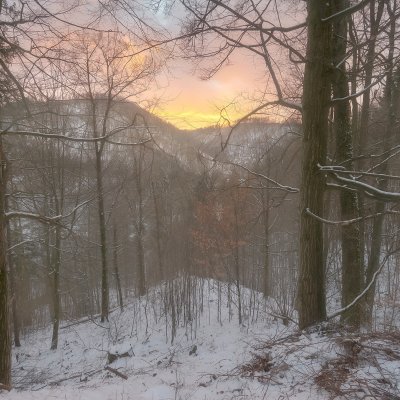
x: 284, y: 220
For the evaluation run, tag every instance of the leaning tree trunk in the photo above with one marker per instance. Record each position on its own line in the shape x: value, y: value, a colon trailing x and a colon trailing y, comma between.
x: 316, y: 103
x: 352, y: 263
x: 5, y: 333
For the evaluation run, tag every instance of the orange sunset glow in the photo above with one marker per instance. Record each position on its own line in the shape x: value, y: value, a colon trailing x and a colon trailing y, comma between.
x: 192, y: 102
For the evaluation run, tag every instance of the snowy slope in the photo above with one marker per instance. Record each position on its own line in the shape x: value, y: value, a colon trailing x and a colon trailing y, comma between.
x: 209, y: 359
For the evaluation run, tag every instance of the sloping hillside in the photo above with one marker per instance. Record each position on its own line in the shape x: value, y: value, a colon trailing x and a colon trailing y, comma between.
x: 133, y: 356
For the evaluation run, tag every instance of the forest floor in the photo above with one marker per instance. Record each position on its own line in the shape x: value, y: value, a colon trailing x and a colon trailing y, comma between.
x: 211, y: 358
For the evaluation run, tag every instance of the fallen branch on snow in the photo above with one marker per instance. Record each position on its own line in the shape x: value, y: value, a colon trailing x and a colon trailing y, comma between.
x: 116, y: 372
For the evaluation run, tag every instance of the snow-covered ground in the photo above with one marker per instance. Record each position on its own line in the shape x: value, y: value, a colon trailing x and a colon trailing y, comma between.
x: 211, y: 358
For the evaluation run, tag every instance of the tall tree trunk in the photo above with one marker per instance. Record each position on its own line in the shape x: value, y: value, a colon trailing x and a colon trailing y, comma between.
x: 99, y: 148
x: 140, y: 249
x: 266, y: 269
x: 237, y: 260
x: 361, y: 136
x: 116, y: 268
x: 14, y: 297
x: 392, y: 105
x: 13, y: 287
x: 103, y: 237
x: 56, y: 263
x: 158, y: 233
x: 5, y: 332
x: 316, y: 103
x: 352, y: 263
x: 58, y: 178
x: 140, y: 225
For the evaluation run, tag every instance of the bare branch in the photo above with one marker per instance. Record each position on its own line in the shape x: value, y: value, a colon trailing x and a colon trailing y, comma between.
x: 347, y: 11
x: 349, y: 221
x: 36, y: 217
x: 279, y: 102
x: 71, y: 138
x: 368, y: 189
x: 279, y: 186
x: 364, y: 292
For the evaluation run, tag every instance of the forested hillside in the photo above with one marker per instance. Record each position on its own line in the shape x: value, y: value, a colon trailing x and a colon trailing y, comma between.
x: 199, y: 199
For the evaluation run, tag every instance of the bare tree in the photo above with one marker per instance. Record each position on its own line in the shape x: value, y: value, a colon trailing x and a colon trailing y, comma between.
x: 105, y: 73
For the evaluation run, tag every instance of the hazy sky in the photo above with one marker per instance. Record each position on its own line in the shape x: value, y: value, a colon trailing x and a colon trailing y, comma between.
x: 185, y: 99
x: 190, y: 102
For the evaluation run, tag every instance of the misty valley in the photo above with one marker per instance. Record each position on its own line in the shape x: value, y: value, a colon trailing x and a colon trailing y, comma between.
x: 199, y: 200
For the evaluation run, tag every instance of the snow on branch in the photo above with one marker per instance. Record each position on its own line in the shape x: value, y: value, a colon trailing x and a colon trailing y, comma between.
x: 74, y: 139
x: 349, y: 221
x: 19, y: 244
x: 37, y: 217
x: 369, y: 190
x: 365, y: 291
x: 364, y: 173
x: 360, y: 92
x: 347, y: 11
x: 44, y: 218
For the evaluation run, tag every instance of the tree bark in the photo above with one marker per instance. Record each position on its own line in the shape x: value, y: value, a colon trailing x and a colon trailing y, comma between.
x: 103, y: 238
x: 392, y: 105
x: 13, y: 288
x: 58, y: 177
x: 5, y: 332
x: 158, y: 233
x: 316, y: 103
x: 266, y: 269
x: 140, y: 225
x: 56, y: 263
x: 352, y: 262
x: 237, y: 259
x: 361, y: 136
x: 116, y: 268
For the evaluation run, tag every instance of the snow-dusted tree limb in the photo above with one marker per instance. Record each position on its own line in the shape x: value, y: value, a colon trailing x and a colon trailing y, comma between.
x: 361, y: 173
x: 349, y: 221
x: 364, y: 292
x: 347, y: 11
x: 127, y: 143
x: 37, y: 217
x: 19, y: 244
x: 368, y: 189
x: 379, y: 155
x: 75, y: 139
x: 360, y: 92
x: 43, y: 218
